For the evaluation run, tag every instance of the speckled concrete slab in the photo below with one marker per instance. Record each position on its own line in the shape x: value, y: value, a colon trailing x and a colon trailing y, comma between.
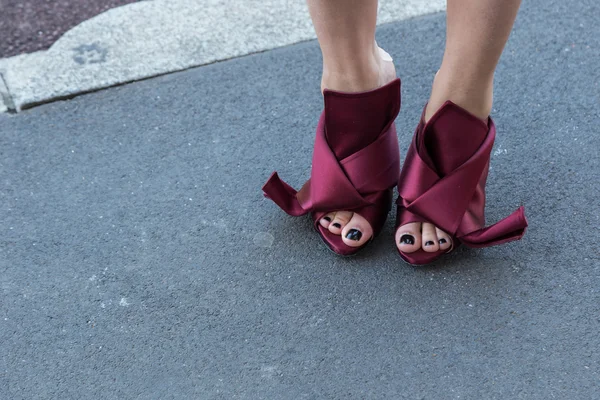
x: 151, y: 38
x: 138, y: 258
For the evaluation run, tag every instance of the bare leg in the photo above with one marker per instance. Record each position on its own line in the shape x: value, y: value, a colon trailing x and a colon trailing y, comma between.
x: 352, y: 62
x: 476, y: 33
x: 346, y: 32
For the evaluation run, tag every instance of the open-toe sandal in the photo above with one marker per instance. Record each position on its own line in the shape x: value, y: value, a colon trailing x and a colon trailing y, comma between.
x: 443, y: 182
x: 355, y: 163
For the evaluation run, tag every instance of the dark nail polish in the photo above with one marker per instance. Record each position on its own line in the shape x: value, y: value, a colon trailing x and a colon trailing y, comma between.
x: 442, y: 241
x: 354, y: 234
x: 407, y: 239
x: 429, y: 243
x: 336, y: 225
x: 327, y: 219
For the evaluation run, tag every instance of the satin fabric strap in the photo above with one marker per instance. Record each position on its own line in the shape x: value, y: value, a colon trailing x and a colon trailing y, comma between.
x: 506, y: 230
x: 348, y: 184
x: 443, y: 201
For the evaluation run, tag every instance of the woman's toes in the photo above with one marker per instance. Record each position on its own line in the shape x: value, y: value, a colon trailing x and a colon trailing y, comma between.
x: 429, y: 238
x: 326, y: 220
x: 339, y: 221
x: 444, y: 239
x: 357, y: 231
x: 408, y: 237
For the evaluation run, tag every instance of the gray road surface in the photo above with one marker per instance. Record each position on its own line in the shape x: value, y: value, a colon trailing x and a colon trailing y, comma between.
x: 138, y: 258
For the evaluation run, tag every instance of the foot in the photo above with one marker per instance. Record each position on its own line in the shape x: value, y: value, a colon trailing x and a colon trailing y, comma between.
x: 354, y: 229
x: 416, y: 235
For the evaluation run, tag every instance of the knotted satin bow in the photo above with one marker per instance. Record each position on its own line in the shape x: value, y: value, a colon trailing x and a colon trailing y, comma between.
x: 349, y: 184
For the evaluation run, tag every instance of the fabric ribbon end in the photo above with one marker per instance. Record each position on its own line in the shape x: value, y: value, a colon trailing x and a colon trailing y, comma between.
x: 283, y: 195
x: 506, y: 230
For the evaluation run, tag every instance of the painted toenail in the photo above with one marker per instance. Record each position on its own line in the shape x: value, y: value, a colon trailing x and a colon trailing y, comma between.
x: 327, y: 219
x: 442, y: 241
x: 336, y: 225
x: 407, y: 239
x: 354, y: 234
x: 429, y: 243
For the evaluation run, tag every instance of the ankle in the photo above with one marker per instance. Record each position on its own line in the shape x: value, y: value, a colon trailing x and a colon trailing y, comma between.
x: 474, y: 95
x: 351, y: 78
x: 365, y: 71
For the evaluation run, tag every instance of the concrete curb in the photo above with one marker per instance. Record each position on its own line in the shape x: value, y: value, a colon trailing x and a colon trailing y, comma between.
x: 4, y: 96
x: 132, y: 42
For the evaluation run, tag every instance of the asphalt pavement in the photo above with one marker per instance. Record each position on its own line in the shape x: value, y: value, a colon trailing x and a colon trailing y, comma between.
x: 139, y: 259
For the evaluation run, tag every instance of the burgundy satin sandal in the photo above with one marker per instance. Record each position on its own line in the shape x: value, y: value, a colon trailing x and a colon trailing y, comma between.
x: 443, y: 182
x: 355, y: 163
